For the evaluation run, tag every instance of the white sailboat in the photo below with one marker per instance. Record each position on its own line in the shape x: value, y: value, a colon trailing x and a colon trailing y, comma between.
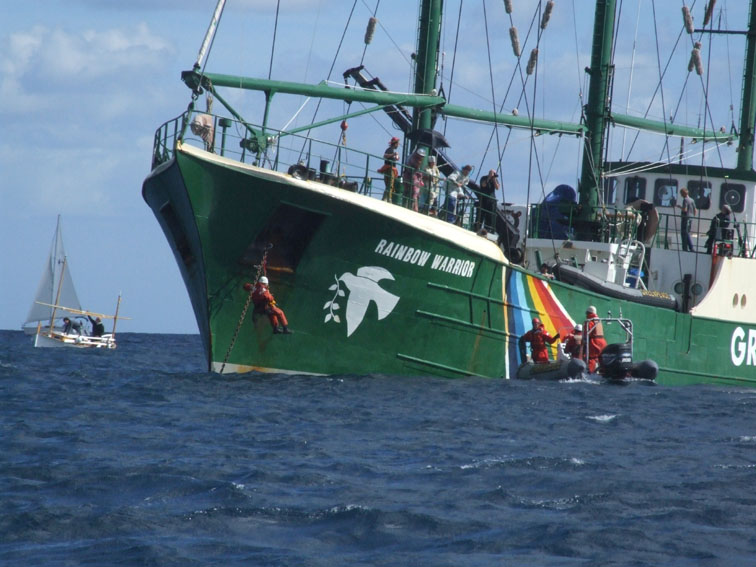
x: 56, y: 304
x: 55, y: 284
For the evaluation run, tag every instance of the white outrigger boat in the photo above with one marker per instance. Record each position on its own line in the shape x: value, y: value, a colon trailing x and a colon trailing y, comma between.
x: 51, y: 336
x: 56, y: 297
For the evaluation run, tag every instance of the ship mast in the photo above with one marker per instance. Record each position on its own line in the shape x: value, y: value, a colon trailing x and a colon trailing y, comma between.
x: 597, y: 109
x: 748, y: 102
x: 427, y: 58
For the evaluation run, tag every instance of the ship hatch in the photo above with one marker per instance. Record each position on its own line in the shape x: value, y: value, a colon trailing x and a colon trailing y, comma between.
x: 290, y: 230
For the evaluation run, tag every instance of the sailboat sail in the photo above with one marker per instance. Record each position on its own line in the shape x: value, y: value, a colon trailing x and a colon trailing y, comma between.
x: 54, y: 276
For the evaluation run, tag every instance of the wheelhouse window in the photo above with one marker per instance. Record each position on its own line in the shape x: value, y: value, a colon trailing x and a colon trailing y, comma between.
x: 635, y: 188
x: 732, y: 194
x: 700, y: 192
x: 610, y: 191
x: 665, y: 192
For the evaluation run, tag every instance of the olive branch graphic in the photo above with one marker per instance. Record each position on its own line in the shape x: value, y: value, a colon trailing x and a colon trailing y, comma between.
x: 332, y: 305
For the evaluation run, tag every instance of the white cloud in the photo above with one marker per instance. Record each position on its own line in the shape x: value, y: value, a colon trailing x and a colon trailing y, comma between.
x: 40, y: 62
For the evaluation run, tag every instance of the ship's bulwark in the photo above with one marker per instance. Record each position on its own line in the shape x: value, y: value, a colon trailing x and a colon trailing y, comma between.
x: 369, y: 287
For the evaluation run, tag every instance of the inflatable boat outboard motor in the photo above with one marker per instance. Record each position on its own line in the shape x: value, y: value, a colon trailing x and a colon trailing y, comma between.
x: 616, y: 362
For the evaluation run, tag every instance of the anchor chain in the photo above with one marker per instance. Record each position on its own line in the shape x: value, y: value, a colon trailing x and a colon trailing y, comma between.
x: 260, y: 268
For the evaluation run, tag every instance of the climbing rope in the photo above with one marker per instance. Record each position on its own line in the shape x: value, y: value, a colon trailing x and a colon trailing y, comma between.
x: 260, y: 269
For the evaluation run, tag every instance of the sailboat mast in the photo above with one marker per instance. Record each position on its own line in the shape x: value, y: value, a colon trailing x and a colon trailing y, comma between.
x: 596, y: 111
x: 748, y: 104
x: 426, y: 60
x: 57, y: 296
x: 115, y: 317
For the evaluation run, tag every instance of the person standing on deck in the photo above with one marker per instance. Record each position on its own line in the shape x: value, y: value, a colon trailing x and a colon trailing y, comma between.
x: 412, y: 178
x: 389, y: 171
x: 489, y: 184
x: 432, y: 177
x: 719, y: 228
x: 687, y: 212
x: 454, y: 191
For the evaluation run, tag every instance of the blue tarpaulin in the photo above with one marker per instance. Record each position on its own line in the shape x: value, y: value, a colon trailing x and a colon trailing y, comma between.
x: 553, y: 217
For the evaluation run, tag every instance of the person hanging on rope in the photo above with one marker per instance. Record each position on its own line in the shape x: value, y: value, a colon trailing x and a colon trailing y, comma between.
x: 389, y: 170
x: 265, y: 304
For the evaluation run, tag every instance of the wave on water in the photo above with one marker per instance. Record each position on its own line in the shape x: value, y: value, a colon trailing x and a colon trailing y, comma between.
x: 140, y: 457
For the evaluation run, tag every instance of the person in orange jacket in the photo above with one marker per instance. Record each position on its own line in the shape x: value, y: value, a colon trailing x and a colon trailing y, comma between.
x: 265, y: 303
x: 538, y: 338
x: 573, y: 344
x: 594, y: 333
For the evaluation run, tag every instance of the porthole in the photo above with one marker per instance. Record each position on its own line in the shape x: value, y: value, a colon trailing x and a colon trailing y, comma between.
x: 735, y: 300
x: 697, y: 289
x: 665, y: 192
x: 679, y: 288
x: 733, y: 194
x: 743, y: 300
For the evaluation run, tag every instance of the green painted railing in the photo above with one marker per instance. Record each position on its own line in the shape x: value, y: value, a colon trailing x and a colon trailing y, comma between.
x: 617, y: 224
x: 308, y: 158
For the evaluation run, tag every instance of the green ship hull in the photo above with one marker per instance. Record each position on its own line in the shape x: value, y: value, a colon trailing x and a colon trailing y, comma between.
x: 370, y: 287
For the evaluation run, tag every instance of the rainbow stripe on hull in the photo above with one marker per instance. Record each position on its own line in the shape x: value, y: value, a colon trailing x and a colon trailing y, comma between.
x: 536, y: 299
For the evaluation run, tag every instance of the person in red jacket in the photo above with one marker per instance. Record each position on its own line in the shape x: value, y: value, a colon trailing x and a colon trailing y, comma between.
x: 594, y: 333
x: 573, y: 344
x: 265, y: 303
x: 538, y: 338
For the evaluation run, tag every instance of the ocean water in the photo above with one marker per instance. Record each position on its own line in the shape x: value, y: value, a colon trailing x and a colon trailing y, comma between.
x: 140, y: 457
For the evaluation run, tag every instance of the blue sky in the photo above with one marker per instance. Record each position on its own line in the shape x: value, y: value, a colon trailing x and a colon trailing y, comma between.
x: 85, y: 84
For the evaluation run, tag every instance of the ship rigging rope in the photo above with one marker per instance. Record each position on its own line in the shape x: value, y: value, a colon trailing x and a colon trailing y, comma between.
x: 260, y: 268
x: 707, y: 108
x: 273, y: 44
x: 659, y: 82
x: 522, y: 95
x: 368, y: 38
x: 533, y: 154
x: 493, y: 99
x: 454, y: 58
x: 330, y: 72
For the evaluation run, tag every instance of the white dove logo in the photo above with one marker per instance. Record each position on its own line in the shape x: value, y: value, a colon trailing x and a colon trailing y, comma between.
x: 363, y: 288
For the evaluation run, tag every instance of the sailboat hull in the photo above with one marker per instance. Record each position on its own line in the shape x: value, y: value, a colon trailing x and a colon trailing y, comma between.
x: 370, y: 287
x: 56, y: 340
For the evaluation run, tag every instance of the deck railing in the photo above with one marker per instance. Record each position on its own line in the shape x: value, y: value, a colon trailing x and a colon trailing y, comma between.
x: 357, y: 171
x: 618, y: 224
x: 310, y: 158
